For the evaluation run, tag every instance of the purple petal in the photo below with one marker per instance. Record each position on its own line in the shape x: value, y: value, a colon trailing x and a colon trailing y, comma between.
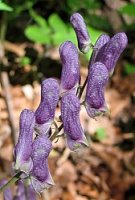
x: 101, y: 41
x: 97, y: 79
x: 23, y: 148
x: 112, y: 50
x: 24, y: 193
x: 31, y: 194
x: 40, y: 175
x: 49, y: 99
x: 70, y: 66
x: 70, y: 108
x: 20, y: 193
x: 82, y: 34
x: 7, y: 192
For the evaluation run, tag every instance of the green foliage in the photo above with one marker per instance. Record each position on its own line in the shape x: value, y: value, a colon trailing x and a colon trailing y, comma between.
x: 129, y: 9
x: 39, y: 32
x: 5, y: 7
x: 99, y: 22
x: 54, y: 31
x: 85, y: 4
x: 129, y: 68
x: 100, y: 134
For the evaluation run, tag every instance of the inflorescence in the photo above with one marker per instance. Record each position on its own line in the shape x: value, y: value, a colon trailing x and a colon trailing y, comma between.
x: 35, y: 138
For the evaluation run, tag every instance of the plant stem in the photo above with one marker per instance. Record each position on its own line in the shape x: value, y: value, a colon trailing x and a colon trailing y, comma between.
x: 15, y: 178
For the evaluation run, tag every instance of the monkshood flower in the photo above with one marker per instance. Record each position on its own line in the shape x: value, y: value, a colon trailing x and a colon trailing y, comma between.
x: 44, y: 114
x: 23, y: 147
x: 101, y: 41
x: 82, y: 34
x: 40, y: 176
x: 97, y: 79
x: 24, y: 193
x: 20, y: 192
x: 70, y: 66
x: 112, y: 50
x: 7, y: 193
x: 31, y: 194
x: 70, y: 108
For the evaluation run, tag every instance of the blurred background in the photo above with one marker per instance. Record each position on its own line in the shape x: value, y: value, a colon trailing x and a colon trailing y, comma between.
x: 30, y: 34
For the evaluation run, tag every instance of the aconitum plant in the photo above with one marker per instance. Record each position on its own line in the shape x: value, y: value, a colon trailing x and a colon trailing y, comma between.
x: 36, y: 135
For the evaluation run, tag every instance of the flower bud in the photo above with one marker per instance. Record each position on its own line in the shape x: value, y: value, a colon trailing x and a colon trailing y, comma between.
x: 82, y: 34
x: 70, y: 108
x: 111, y: 51
x: 94, y: 100
x: 44, y: 114
x: 40, y: 176
x: 70, y: 66
x: 23, y: 147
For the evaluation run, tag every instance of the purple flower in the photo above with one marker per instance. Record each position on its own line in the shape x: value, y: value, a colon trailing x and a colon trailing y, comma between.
x: 101, y: 41
x: 20, y: 193
x: 97, y: 79
x: 70, y: 108
x: 111, y: 51
x: 24, y: 193
x: 70, y: 66
x: 23, y: 148
x: 82, y: 34
x: 7, y: 194
x: 44, y: 114
x: 40, y: 176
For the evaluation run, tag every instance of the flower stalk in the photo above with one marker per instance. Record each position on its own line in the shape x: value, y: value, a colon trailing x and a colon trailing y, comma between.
x: 13, y: 180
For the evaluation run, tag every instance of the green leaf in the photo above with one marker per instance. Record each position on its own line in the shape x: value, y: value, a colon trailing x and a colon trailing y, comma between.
x: 57, y: 24
x: 129, y: 68
x: 5, y: 7
x: 38, y: 19
x: 100, y: 134
x: 37, y: 34
x: 99, y: 22
x: 75, y: 6
x: 129, y: 9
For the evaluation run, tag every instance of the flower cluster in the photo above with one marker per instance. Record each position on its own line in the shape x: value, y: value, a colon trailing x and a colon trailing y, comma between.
x: 34, y: 142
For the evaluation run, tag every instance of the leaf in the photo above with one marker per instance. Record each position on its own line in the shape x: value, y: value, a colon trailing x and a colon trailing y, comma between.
x: 37, y: 34
x: 5, y: 7
x: 100, y: 134
x: 57, y: 24
x: 38, y: 19
x: 129, y: 68
x: 99, y: 22
x: 75, y: 6
x: 129, y: 9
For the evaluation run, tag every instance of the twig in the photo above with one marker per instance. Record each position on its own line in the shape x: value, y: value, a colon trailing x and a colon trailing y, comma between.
x: 8, y: 99
x: 5, y: 79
